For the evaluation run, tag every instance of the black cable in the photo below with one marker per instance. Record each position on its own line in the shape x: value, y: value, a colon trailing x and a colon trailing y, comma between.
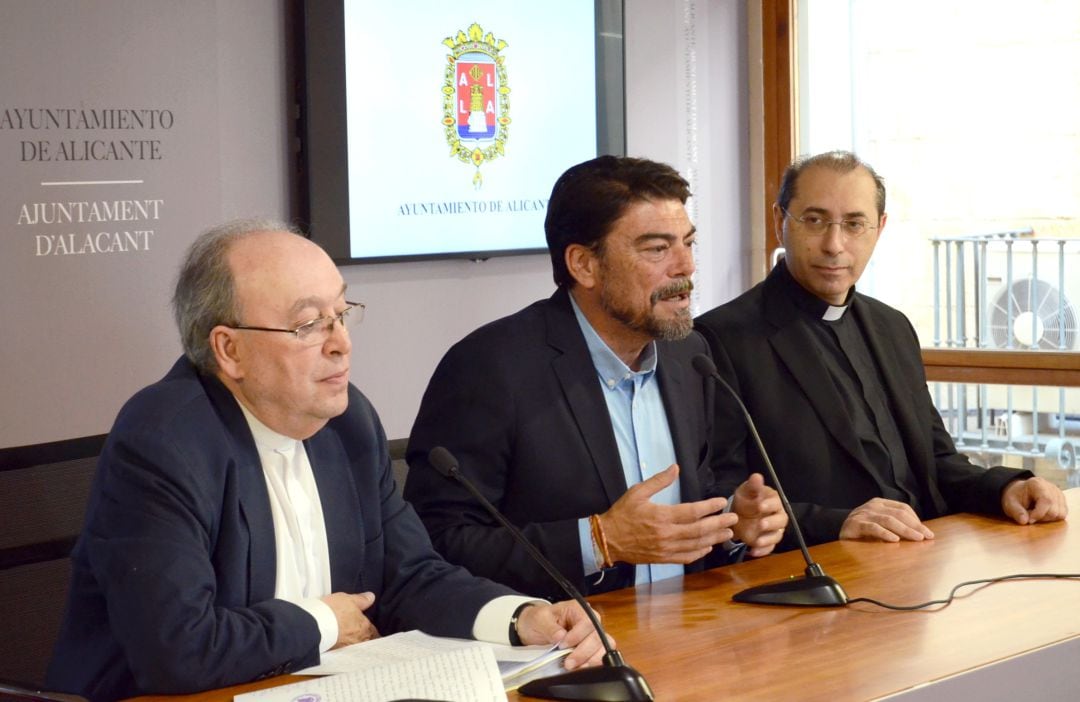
x: 952, y: 593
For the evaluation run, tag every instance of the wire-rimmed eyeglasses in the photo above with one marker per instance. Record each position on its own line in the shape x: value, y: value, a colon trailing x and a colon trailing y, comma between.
x: 315, y: 332
x: 816, y: 225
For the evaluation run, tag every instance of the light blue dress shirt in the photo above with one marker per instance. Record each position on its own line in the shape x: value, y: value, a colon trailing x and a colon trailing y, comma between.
x: 641, y: 432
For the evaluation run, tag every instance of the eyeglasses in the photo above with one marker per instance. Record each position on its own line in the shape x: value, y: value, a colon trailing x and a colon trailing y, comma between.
x: 315, y: 332
x: 816, y: 225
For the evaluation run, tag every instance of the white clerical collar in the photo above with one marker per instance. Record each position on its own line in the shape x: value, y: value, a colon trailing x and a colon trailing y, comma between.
x: 833, y: 313
x: 266, y: 437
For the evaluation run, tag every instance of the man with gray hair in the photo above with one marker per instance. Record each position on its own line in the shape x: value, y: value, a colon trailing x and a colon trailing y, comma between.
x: 244, y: 517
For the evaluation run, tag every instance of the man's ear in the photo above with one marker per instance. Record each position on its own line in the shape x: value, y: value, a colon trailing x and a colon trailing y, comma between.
x: 227, y: 352
x: 778, y: 224
x: 583, y: 264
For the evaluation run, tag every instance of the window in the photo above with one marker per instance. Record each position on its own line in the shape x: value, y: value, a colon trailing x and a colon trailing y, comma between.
x: 968, y: 110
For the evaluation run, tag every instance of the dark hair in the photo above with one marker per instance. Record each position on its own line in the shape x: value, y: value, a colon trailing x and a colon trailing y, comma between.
x: 205, y: 294
x: 588, y: 198
x: 839, y: 161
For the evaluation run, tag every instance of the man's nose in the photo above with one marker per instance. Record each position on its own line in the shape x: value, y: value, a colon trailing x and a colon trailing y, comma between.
x: 339, y: 340
x: 683, y: 265
x: 834, y: 239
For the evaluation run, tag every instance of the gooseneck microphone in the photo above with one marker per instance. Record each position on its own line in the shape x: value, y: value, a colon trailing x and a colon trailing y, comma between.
x: 614, y: 681
x: 815, y: 589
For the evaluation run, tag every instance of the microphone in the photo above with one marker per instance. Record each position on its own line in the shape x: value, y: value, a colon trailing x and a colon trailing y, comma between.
x: 614, y: 681
x: 815, y: 589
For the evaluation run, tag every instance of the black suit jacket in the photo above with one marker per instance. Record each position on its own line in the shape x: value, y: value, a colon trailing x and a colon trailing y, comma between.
x: 519, y: 403
x: 770, y: 358
x: 173, y: 575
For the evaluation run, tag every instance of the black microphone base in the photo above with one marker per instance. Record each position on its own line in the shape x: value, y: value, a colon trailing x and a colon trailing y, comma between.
x: 619, y: 683
x: 809, y: 591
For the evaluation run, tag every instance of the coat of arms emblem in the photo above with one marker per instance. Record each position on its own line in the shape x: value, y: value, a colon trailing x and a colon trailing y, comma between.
x: 476, y: 98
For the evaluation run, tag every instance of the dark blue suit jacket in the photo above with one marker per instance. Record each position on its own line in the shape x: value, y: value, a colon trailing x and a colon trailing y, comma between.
x: 518, y: 402
x: 173, y: 575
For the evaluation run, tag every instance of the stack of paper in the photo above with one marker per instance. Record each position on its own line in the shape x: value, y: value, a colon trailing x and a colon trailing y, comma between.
x: 414, y: 664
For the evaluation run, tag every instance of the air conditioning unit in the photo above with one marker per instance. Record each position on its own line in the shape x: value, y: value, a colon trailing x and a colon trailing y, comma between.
x: 1036, y: 308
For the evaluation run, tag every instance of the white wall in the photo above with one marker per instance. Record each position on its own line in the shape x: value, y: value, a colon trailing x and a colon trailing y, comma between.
x: 686, y: 105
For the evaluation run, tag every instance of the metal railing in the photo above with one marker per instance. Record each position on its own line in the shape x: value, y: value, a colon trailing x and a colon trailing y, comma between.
x: 968, y: 326
x: 1034, y: 312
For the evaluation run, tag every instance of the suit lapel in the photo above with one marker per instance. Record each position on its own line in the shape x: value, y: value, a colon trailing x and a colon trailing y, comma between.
x: 898, y: 388
x: 797, y: 349
x: 253, y: 497
x: 583, y: 395
x: 673, y: 391
x: 337, y: 494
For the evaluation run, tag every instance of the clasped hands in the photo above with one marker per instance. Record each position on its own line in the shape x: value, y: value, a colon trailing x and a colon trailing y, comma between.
x: 640, y: 531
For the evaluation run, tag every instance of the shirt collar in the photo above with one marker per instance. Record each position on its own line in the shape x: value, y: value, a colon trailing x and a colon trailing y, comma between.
x: 808, y: 302
x: 265, y: 437
x: 608, y: 365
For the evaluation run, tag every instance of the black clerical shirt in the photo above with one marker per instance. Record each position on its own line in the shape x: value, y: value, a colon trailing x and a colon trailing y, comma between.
x: 841, y: 346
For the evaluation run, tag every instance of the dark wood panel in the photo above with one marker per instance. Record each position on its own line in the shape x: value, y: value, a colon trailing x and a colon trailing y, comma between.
x: 1051, y: 368
x: 777, y: 64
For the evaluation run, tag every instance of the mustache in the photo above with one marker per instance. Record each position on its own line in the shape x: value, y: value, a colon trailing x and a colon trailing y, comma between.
x: 681, y: 286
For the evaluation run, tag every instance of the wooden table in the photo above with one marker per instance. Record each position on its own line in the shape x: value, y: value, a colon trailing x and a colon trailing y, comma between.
x: 692, y: 642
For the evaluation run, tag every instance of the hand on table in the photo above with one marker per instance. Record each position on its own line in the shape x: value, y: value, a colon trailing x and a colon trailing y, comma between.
x: 1033, y: 500
x: 565, y: 624
x: 884, y: 520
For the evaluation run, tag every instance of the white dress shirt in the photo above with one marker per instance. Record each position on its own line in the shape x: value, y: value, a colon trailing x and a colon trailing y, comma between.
x: 303, y: 553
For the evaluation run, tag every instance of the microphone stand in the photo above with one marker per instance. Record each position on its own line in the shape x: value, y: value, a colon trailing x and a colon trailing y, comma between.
x: 614, y: 681
x: 815, y: 588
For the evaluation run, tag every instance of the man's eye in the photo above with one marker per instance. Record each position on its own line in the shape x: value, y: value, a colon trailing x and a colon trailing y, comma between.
x: 307, y: 327
x: 813, y: 220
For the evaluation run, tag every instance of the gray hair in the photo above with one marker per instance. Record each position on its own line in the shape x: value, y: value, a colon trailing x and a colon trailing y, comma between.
x: 205, y: 293
x: 838, y: 161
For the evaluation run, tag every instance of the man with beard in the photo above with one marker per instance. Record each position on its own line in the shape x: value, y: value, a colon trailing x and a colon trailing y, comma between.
x: 581, y: 417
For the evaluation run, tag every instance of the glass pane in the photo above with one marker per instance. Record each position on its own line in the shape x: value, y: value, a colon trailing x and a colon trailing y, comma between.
x: 968, y: 110
x: 1020, y: 426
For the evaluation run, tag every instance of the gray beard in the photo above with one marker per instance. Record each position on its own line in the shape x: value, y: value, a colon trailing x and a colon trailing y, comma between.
x: 675, y: 329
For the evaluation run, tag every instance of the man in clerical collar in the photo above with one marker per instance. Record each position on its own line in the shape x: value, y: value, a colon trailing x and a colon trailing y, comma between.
x: 835, y: 382
x: 581, y: 416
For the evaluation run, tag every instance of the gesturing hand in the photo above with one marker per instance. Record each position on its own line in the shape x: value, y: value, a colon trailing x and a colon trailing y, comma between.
x: 762, y: 518
x: 639, y: 531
